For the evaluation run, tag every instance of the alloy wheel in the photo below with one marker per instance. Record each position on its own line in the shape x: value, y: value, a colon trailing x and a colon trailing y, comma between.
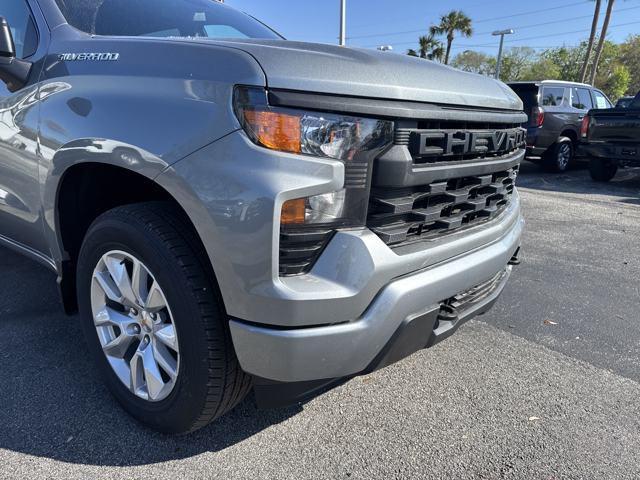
x: 564, y: 156
x: 135, y: 326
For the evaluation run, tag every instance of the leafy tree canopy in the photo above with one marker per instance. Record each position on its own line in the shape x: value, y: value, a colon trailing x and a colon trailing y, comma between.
x: 618, y: 71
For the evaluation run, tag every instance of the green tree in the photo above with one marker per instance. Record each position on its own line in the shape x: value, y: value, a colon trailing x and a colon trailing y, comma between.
x: 515, y: 62
x: 475, y: 62
x: 430, y: 48
x: 568, y: 60
x: 629, y: 56
x: 542, y: 69
x: 450, y: 24
x: 616, y: 83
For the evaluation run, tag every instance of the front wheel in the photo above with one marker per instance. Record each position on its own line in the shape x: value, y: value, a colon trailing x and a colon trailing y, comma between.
x: 154, y: 321
x: 560, y: 156
x: 602, y: 170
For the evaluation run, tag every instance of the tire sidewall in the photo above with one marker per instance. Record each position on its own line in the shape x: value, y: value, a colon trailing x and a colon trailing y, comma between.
x: 602, y: 170
x: 562, y: 143
x: 178, y: 410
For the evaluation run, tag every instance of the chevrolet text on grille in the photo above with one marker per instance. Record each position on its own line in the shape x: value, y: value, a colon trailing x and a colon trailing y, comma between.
x: 457, y: 142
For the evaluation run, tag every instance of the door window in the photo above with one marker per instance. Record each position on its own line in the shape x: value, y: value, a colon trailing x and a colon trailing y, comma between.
x: 581, y: 99
x: 23, y: 28
x: 552, y: 96
x: 601, y: 100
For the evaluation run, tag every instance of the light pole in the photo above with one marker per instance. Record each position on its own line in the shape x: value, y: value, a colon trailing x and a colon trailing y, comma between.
x: 343, y: 22
x: 501, y: 33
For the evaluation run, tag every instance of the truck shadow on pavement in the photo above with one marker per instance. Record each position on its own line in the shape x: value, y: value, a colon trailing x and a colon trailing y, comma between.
x: 54, y: 405
x: 625, y: 185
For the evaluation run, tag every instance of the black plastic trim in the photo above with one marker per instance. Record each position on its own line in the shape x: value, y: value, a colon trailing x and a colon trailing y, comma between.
x: 391, y: 108
x: 271, y: 394
x: 396, y: 168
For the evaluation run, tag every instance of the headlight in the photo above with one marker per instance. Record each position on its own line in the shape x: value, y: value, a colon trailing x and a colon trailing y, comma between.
x: 354, y: 140
x: 311, y: 133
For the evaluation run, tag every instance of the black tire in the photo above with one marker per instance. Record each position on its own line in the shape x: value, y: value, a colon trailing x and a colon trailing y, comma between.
x: 602, y: 170
x: 210, y: 381
x: 560, y: 156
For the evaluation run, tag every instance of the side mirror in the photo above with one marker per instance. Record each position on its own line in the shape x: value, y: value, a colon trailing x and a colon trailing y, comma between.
x: 7, y: 47
x: 14, y: 72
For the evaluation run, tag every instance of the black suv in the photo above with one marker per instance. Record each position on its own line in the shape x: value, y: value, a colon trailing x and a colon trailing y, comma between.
x: 556, y: 110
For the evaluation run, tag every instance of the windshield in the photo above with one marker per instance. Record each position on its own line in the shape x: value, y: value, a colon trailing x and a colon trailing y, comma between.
x: 624, y: 102
x: 162, y: 18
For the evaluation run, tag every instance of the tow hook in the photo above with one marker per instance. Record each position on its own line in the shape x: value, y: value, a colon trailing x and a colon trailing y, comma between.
x: 515, y: 260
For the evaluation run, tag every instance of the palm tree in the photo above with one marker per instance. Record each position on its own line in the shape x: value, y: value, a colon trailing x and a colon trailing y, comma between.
x: 592, y: 39
x: 603, y: 36
x: 430, y: 47
x: 452, y: 22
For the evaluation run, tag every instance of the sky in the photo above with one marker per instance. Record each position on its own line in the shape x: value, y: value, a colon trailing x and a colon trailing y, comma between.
x: 372, y: 23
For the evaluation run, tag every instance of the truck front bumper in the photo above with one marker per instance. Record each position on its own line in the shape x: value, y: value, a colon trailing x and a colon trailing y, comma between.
x: 344, y: 317
x: 405, y: 316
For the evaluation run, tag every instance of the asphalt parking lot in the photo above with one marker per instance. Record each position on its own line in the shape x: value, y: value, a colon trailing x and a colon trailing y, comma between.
x: 546, y: 386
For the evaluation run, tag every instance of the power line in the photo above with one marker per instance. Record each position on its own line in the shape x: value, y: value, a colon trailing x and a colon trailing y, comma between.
x: 493, y: 44
x: 555, y: 34
x: 466, y: 47
x: 575, y: 31
x: 363, y: 25
x: 530, y: 12
x: 564, y: 20
x: 476, y: 21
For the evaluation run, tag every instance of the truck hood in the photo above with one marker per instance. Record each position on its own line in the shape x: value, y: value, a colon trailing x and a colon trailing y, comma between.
x: 359, y: 72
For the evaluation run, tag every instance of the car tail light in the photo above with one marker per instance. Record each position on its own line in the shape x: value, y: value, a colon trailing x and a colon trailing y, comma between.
x: 537, y: 117
x: 584, y: 129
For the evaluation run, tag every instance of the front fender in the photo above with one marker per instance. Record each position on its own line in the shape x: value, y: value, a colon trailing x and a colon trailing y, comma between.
x: 158, y: 103
x: 89, y: 151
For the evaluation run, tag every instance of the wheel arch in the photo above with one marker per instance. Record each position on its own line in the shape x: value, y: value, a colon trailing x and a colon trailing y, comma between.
x: 571, y: 134
x: 83, y: 192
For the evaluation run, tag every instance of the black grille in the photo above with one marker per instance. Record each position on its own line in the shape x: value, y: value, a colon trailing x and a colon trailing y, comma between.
x: 406, y: 214
x: 438, y: 177
x: 299, y: 249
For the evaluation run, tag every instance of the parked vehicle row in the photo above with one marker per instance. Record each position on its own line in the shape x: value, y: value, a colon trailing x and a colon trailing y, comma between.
x: 556, y: 111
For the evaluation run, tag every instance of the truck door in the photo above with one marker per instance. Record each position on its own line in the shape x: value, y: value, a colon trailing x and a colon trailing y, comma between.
x: 20, y: 218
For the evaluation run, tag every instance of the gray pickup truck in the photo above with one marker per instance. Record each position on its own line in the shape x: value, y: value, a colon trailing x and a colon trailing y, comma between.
x: 230, y: 211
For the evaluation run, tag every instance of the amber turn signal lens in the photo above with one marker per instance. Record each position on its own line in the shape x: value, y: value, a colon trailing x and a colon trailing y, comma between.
x: 293, y: 212
x: 277, y: 131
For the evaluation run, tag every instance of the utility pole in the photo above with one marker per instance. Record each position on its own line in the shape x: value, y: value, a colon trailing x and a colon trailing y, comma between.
x: 343, y: 22
x: 501, y: 33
